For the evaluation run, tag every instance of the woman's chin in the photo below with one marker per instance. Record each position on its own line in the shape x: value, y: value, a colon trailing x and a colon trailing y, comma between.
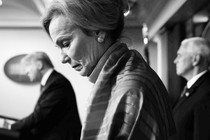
x: 84, y: 73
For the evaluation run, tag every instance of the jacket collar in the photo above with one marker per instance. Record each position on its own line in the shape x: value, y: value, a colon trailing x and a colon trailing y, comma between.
x: 46, y: 77
x: 199, y: 81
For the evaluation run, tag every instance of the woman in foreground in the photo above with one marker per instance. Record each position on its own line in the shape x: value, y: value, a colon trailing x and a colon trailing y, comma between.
x: 128, y: 100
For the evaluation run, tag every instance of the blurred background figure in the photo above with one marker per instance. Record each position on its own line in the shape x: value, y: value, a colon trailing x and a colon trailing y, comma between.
x: 128, y: 101
x: 192, y: 109
x: 55, y: 116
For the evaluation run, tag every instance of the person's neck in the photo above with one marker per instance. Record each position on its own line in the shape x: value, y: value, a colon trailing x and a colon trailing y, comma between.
x: 195, y: 72
x: 43, y: 71
x: 107, y: 44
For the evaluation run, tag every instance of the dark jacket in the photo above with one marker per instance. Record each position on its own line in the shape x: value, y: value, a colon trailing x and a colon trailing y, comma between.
x: 55, y: 116
x: 192, y: 113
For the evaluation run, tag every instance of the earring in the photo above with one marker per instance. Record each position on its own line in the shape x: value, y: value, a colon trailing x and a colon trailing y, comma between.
x: 100, y: 39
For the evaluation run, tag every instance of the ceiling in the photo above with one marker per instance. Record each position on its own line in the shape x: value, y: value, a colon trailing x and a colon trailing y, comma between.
x: 189, y: 10
x: 26, y: 13
x: 155, y: 13
x: 19, y: 13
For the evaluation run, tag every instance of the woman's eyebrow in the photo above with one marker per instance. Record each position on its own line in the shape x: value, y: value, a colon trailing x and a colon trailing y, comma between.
x: 68, y: 33
x: 62, y: 37
x: 59, y: 39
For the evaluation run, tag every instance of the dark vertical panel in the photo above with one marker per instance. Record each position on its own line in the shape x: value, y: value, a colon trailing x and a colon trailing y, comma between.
x: 176, y: 34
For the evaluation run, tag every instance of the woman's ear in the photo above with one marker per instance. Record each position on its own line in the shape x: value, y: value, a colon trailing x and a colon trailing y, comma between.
x: 100, y: 36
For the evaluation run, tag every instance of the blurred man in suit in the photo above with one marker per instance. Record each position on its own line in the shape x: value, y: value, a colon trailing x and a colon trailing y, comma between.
x: 192, y: 110
x: 55, y: 116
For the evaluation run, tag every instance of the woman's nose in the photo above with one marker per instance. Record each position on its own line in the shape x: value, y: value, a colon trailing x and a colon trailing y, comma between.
x: 64, y: 57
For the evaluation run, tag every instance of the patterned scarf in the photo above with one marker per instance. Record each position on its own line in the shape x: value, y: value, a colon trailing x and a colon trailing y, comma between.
x: 106, y: 95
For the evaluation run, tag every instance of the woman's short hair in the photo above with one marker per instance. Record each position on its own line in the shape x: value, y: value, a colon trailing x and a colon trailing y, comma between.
x: 90, y: 15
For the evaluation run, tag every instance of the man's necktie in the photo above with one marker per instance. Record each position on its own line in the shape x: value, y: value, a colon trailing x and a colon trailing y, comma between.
x: 182, y: 97
x: 185, y: 92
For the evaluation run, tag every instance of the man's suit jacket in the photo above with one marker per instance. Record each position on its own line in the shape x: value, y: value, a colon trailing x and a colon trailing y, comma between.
x: 192, y: 113
x: 55, y: 116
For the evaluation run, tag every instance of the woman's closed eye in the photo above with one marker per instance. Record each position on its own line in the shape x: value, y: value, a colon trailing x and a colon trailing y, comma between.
x: 65, y: 44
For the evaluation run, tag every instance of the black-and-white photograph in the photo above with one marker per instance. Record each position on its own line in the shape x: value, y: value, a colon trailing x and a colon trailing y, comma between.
x: 104, y: 70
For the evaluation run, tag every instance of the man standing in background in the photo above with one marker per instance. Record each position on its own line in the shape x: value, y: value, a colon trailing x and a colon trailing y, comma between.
x: 55, y: 116
x: 192, y: 110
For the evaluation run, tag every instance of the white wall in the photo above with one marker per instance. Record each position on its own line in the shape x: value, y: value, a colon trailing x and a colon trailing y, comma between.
x: 18, y: 100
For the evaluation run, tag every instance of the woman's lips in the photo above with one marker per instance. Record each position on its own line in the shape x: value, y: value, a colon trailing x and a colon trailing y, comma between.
x: 77, y: 67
